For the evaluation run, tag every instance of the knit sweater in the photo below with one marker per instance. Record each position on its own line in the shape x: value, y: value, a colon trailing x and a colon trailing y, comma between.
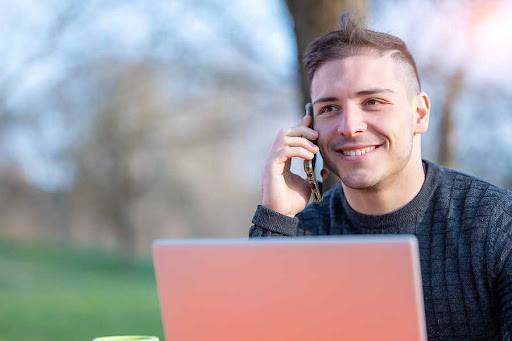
x: 464, y: 230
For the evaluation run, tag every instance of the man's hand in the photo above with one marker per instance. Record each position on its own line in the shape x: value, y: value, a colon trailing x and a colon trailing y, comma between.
x: 283, y: 191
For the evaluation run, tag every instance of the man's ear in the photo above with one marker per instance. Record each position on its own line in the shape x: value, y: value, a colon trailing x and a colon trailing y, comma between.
x: 324, y: 173
x: 422, y: 113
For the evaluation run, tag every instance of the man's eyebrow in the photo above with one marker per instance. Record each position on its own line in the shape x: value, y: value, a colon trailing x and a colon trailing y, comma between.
x: 357, y: 94
x: 372, y: 92
x: 325, y: 99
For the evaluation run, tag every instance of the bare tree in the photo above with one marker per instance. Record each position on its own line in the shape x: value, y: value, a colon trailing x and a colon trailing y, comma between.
x: 312, y: 18
x: 454, y: 87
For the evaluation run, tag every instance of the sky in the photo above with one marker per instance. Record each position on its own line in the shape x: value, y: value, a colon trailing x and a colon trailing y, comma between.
x: 439, y: 30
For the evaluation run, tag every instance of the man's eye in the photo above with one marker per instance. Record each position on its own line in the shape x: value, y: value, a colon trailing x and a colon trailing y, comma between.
x: 327, y: 108
x: 372, y: 102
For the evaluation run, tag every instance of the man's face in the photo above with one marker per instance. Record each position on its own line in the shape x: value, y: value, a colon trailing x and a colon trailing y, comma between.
x: 364, y: 115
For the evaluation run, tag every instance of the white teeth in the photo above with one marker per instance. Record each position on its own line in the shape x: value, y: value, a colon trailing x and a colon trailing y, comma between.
x: 357, y: 152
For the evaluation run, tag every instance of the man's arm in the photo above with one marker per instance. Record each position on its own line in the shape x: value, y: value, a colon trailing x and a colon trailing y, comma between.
x: 284, y: 191
x: 269, y: 223
x: 285, y: 194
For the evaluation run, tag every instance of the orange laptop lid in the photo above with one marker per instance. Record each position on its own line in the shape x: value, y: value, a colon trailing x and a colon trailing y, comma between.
x: 308, y: 288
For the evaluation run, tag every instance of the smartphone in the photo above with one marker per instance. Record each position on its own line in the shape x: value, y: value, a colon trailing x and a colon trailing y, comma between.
x: 314, y: 167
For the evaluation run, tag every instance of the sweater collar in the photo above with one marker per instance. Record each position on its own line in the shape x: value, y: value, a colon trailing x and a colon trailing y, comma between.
x: 404, y: 214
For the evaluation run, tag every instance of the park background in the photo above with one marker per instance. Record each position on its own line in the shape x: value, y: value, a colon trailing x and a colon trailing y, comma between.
x: 122, y: 122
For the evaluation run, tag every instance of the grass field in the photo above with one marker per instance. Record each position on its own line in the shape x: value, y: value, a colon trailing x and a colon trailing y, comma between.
x: 50, y: 293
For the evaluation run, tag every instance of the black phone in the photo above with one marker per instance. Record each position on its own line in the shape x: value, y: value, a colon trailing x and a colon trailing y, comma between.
x: 314, y: 167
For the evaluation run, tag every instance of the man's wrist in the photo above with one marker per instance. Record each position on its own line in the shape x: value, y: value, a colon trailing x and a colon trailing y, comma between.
x: 271, y: 220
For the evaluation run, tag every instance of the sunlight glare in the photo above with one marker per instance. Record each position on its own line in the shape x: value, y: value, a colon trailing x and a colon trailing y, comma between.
x: 490, y: 31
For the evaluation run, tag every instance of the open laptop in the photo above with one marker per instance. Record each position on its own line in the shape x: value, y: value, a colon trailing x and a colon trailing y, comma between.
x: 307, y: 288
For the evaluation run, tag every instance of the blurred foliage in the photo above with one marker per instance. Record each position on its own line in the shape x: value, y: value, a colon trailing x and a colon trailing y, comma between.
x: 141, y: 130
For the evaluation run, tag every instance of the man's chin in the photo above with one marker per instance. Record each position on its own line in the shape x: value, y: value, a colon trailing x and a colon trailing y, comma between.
x: 360, y: 186
x: 359, y: 181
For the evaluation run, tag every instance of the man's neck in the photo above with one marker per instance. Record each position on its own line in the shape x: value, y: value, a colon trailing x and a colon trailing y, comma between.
x: 390, y: 197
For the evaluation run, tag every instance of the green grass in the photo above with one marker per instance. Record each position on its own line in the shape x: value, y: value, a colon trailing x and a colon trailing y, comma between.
x: 51, y: 293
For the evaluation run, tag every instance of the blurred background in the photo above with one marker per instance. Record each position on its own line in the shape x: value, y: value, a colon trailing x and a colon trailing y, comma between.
x: 126, y: 121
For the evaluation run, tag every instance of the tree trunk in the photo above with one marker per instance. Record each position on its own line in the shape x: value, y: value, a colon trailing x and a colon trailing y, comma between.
x: 446, y: 150
x: 313, y: 18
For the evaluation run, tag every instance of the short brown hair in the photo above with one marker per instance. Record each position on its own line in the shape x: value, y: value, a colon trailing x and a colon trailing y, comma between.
x: 351, y: 40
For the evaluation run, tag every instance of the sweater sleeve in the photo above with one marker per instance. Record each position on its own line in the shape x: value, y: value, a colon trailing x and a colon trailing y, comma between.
x: 501, y: 255
x: 269, y: 223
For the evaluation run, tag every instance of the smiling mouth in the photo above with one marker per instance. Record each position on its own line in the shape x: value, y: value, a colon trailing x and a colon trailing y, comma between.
x: 357, y: 152
x: 354, y: 152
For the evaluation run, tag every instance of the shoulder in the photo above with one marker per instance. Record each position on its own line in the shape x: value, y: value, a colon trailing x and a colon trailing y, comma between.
x: 470, y: 189
x: 484, y: 211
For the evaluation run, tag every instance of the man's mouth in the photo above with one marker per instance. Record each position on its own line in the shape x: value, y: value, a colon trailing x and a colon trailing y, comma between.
x: 355, y: 152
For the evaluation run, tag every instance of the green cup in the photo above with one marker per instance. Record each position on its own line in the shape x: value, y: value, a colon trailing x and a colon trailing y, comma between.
x: 127, y: 338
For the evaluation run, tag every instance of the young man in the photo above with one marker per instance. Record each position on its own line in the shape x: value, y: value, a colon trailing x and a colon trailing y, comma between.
x: 369, y: 117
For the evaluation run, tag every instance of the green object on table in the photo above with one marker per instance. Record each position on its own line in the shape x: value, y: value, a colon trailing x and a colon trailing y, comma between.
x: 127, y: 338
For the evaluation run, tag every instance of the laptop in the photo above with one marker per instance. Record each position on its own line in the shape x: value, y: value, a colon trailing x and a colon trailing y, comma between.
x: 307, y: 288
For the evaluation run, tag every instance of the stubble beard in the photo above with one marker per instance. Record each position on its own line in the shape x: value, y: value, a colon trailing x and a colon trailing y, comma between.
x: 347, y: 179
x: 375, y: 181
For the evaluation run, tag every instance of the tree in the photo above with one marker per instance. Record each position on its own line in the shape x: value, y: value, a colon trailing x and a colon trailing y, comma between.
x: 312, y: 18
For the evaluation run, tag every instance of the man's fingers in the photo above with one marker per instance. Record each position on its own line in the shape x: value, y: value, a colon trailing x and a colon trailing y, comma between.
x: 299, y: 131
x: 304, y: 121
x: 287, y: 153
x: 299, y: 142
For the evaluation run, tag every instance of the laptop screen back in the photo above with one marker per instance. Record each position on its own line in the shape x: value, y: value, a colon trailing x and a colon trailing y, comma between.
x: 311, y: 288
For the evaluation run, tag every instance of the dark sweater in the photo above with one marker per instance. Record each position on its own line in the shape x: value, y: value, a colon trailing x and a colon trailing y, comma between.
x: 464, y: 229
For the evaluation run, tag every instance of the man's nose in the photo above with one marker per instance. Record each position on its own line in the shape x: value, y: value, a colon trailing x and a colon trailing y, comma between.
x: 351, y: 122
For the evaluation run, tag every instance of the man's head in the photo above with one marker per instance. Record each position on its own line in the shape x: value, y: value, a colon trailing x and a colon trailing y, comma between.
x: 369, y: 112
x: 353, y: 40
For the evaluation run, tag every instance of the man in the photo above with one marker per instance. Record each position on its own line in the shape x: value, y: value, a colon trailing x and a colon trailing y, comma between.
x: 369, y: 117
